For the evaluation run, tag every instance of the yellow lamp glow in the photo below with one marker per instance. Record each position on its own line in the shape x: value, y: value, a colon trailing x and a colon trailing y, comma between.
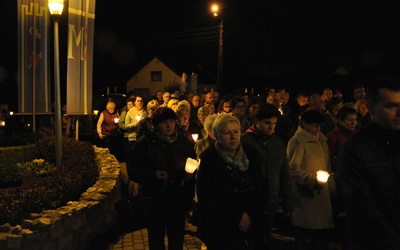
x: 191, y: 165
x: 56, y: 7
x: 95, y: 112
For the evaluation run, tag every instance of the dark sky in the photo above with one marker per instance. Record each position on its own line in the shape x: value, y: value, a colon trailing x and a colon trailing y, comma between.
x: 288, y: 43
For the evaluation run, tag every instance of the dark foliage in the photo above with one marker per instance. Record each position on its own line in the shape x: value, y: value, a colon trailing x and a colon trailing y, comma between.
x: 17, y: 140
x: 79, y: 171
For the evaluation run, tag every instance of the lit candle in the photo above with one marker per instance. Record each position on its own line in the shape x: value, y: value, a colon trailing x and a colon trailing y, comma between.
x: 11, y: 113
x: 322, y: 176
x: 191, y: 165
x: 116, y: 120
x: 195, y: 136
x: 95, y: 112
x: 138, y: 117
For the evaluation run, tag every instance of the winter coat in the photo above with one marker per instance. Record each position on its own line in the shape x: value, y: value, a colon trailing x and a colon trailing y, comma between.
x: 221, y: 207
x: 276, y: 167
x: 307, y: 155
x: 368, y: 179
x: 149, y: 154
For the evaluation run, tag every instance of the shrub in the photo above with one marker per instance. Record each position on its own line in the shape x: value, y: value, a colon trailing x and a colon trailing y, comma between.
x: 38, y: 166
x: 10, y: 174
x: 79, y: 171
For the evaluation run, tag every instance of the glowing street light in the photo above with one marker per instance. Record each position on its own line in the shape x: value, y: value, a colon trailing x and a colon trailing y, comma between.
x: 56, y: 7
x: 215, y: 9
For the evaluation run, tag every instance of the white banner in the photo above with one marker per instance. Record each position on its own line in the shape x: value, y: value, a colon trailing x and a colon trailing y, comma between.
x: 81, y: 15
x: 33, y: 57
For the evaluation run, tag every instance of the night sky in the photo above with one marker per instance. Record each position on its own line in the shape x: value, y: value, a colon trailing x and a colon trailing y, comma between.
x: 286, y: 43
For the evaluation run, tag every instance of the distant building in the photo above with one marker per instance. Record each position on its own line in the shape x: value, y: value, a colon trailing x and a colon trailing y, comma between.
x: 152, y: 77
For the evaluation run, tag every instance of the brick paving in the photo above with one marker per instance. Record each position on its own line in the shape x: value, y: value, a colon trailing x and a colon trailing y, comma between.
x: 122, y: 237
x: 138, y: 240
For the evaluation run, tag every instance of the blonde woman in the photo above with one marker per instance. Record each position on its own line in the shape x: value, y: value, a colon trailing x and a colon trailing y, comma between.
x: 363, y: 117
x: 173, y: 104
x: 229, y: 186
x: 146, y: 124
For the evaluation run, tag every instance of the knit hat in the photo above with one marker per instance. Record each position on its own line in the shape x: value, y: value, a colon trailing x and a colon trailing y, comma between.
x: 162, y: 114
x: 266, y: 111
x: 313, y: 116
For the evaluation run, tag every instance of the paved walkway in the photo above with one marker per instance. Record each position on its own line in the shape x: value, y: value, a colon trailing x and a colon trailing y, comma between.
x: 137, y: 240
x: 124, y: 238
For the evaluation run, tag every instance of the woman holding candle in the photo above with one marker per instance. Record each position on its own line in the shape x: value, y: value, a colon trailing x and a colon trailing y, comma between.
x: 157, y: 163
x: 231, y: 191
x: 132, y: 119
x: 185, y: 127
x: 308, y: 153
x: 107, y: 127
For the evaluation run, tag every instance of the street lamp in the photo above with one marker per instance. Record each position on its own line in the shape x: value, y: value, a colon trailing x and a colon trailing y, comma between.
x: 56, y: 8
x: 215, y: 9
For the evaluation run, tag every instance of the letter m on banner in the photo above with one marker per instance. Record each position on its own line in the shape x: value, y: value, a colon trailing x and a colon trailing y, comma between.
x: 80, y: 56
x: 33, y: 57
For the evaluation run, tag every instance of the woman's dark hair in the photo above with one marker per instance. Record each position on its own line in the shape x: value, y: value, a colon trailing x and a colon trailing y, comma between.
x: 333, y: 102
x: 235, y: 100
x: 345, y: 111
x: 221, y: 103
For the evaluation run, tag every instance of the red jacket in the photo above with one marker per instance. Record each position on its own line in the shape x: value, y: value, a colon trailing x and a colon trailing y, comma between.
x: 336, y: 138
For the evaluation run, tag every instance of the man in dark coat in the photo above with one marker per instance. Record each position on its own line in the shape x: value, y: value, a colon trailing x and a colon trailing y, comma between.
x: 369, y: 172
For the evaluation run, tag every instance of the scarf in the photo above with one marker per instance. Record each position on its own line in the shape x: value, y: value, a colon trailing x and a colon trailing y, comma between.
x: 167, y: 139
x: 238, y: 161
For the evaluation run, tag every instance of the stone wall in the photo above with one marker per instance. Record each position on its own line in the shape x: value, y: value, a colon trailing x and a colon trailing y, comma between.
x: 77, y: 224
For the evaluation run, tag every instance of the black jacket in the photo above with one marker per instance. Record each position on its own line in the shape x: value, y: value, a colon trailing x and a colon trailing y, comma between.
x: 220, y: 205
x: 150, y: 154
x: 369, y: 182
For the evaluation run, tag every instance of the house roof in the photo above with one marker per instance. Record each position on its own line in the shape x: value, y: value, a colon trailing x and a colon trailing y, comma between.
x: 203, y: 76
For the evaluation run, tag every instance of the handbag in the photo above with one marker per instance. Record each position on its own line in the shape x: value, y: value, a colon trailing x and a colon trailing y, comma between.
x: 134, y: 209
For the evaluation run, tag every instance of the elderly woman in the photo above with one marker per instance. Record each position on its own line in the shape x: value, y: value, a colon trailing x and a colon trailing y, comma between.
x: 186, y: 127
x: 107, y: 126
x: 231, y: 190
x: 202, y: 114
x: 157, y: 163
x: 209, y: 139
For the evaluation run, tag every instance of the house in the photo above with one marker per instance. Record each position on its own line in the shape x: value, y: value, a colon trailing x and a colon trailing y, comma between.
x: 152, y: 77
x: 156, y: 75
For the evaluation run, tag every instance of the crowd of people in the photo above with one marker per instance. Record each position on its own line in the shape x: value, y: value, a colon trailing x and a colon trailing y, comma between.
x: 316, y: 157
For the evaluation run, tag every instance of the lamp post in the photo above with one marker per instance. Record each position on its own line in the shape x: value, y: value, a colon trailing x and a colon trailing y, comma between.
x: 56, y: 8
x: 215, y: 9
